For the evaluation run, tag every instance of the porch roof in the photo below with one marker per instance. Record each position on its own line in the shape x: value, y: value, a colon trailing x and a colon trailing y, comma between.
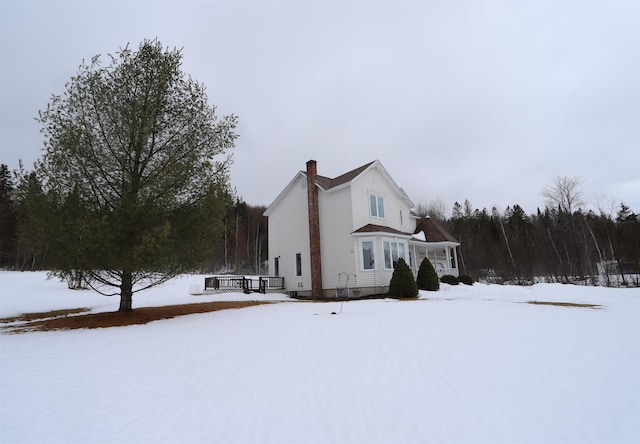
x: 371, y: 228
x: 434, y: 232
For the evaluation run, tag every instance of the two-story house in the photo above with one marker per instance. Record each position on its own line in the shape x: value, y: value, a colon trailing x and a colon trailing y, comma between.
x: 326, y: 234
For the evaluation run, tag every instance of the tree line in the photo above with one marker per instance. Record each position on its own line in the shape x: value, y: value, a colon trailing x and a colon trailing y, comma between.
x: 561, y: 243
x: 240, y: 246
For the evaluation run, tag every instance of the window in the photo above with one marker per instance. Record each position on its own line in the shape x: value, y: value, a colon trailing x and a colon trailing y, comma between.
x: 368, y: 262
x: 392, y: 252
x: 276, y: 266
x: 298, y: 264
x: 377, y: 206
x: 401, y: 218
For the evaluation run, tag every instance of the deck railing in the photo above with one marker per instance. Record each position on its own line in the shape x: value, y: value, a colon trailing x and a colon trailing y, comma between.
x: 246, y: 284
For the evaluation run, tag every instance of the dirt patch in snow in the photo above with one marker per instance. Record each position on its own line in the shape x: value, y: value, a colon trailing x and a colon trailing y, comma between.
x: 567, y: 304
x: 28, y: 317
x: 73, y: 319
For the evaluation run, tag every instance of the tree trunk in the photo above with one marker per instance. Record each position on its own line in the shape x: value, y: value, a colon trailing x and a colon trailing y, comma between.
x: 126, y: 292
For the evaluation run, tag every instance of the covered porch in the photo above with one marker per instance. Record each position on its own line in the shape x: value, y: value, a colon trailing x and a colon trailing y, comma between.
x: 443, y: 256
x: 432, y: 241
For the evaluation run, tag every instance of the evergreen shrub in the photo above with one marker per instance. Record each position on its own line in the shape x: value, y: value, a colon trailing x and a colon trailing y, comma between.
x: 427, y: 277
x: 449, y: 279
x: 465, y: 279
x: 402, y: 284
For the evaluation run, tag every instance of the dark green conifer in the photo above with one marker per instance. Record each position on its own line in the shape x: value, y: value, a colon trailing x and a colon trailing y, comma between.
x: 402, y: 284
x: 427, y: 276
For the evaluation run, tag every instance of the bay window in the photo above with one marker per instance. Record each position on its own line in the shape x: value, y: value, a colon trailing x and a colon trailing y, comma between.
x: 368, y: 258
x: 392, y: 252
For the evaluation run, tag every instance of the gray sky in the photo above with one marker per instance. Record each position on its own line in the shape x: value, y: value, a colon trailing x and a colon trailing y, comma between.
x: 479, y: 100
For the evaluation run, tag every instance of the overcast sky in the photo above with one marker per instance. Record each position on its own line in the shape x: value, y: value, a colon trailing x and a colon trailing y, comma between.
x: 481, y: 100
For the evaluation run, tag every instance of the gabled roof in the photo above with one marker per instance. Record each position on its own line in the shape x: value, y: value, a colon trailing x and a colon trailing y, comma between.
x: 327, y: 183
x: 433, y: 231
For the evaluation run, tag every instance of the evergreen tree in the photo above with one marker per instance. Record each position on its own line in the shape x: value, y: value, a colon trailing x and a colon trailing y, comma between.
x: 427, y: 277
x: 8, y: 234
x: 135, y: 162
x: 34, y: 222
x: 628, y: 241
x: 402, y: 284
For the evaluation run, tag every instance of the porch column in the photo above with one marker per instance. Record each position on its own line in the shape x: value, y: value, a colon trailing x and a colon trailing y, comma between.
x: 448, y: 259
x: 455, y: 259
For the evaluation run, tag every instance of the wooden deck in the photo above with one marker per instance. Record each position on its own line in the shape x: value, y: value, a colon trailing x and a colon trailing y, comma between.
x: 245, y: 284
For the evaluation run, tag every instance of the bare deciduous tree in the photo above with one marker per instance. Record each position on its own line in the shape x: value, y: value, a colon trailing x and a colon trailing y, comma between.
x: 436, y: 209
x: 564, y: 193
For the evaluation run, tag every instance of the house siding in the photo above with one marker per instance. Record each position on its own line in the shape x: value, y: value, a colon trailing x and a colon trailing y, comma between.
x: 375, y: 181
x: 336, y: 239
x: 289, y: 234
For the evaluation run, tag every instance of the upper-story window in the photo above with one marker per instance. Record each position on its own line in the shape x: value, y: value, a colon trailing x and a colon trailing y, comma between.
x: 401, y: 218
x: 376, y: 204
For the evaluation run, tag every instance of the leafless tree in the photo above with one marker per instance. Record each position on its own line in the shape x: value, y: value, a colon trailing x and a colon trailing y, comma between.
x: 435, y: 209
x: 606, y: 206
x: 564, y: 193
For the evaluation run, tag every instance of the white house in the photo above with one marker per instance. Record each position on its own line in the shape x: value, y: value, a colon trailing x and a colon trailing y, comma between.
x: 340, y: 236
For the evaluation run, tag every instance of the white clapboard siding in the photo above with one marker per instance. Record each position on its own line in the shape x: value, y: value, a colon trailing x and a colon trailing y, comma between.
x: 336, y: 240
x: 289, y: 234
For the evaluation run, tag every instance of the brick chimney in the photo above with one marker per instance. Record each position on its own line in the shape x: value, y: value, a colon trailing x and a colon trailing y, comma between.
x: 314, y: 230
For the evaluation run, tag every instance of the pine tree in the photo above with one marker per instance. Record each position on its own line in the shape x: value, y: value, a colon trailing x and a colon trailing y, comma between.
x: 134, y: 151
x: 8, y: 234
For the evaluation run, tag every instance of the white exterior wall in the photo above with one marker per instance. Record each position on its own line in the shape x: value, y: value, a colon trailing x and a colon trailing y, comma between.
x: 289, y: 234
x: 336, y: 242
x: 374, y: 181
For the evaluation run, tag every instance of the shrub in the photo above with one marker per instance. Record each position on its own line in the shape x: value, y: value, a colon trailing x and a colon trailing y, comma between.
x: 402, y: 284
x: 427, y: 276
x: 449, y: 279
x: 466, y: 279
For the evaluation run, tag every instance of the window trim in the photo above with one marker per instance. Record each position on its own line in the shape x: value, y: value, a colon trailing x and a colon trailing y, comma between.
x: 399, y: 245
x: 379, y: 199
x: 372, y: 241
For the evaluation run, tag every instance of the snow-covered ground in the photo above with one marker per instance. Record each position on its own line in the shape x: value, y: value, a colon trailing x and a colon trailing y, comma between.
x: 463, y: 365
